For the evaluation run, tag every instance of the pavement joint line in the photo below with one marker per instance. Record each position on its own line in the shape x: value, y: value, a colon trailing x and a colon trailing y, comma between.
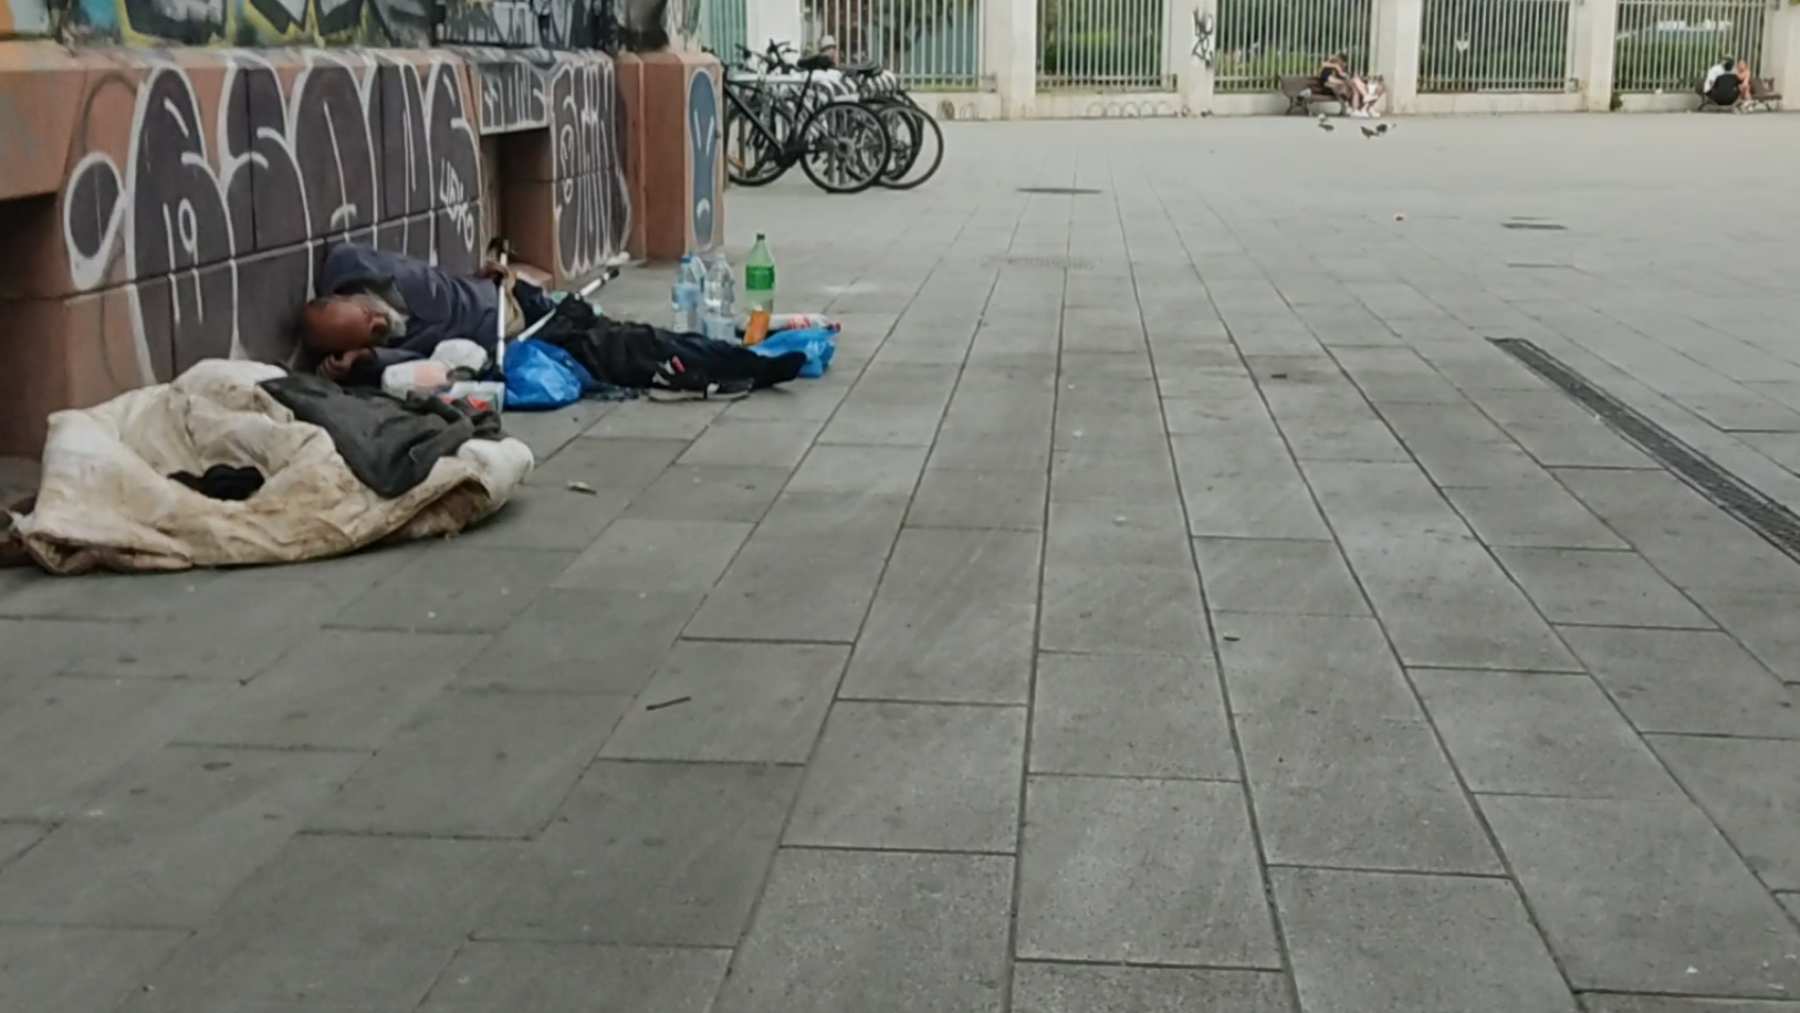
x: 1247, y: 793
x: 922, y: 702
x: 590, y: 942
x: 1380, y: 870
x: 763, y: 641
x: 1151, y: 965
x: 762, y: 888
x: 266, y: 747
x: 1468, y: 796
x: 877, y: 849
x: 1077, y: 775
x: 412, y: 835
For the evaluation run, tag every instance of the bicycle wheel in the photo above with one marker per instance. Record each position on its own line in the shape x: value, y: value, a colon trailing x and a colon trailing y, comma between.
x: 844, y: 148
x: 750, y: 158
x: 918, y: 146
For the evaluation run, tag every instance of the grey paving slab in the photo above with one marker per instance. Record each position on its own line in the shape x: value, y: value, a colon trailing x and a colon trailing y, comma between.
x: 747, y: 702
x: 18, y: 838
x: 495, y: 977
x: 1378, y: 941
x: 648, y: 853
x: 882, y: 932
x: 1683, y: 535
x: 794, y: 587
x: 1099, y: 474
x: 1763, y: 622
x: 1101, y: 608
x: 1749, y: 788
x: 646, y: 419
x: 638, y: 554
x: 1599, y: 588
x: 1538, y: 513
x: 1645, y: 896
x: 1532, y: 733
x: 979, y: 499
x: 1362, y: 437
x: 914, y: 776
x: 106, y: 596
x: 167, y: 840
x: 891, y: 471
x: 65, y: 969
x: 476, y: 764
x: 351, y: 922
x: 1130, y: 715
x: 1396, y: 375
x: 64, y: 737
x: 1343, y: 768
x: 581, y: 641
x: 1557, y: 431
x: 751, y: 444
x: 709, y: 493
x: 1266, y: 575
x: 456, y: 590
x: 1083, y: 988
x: 1255, y: 494
x: 1141, y: 871
x: 343, y: 690
x: 1458, y: 446
x: 1687, y: 681
x: 952, y: 621
x: 548, y: 515
x: 970, y: 448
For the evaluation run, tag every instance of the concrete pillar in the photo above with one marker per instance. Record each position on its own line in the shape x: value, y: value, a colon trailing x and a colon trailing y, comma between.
x: 1193, y: 74
x: 1397, y: 34
x: 1781, y: 54
x: 774, y: 19
x: 1591, y: 56
x: 1009, y: 54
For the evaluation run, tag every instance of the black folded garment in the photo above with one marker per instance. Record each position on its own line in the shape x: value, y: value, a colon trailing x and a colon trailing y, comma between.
x: 633, y: 355
x: 389, y: 444
x: 222, y: 481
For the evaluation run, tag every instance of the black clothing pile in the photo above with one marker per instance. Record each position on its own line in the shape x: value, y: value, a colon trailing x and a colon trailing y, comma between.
x: 390, y: 445
x: 223, y: 482
x: 641, y: 356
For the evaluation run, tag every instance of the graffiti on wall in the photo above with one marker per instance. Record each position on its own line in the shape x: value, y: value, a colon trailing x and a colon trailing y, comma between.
x: 512, y: 95
x: 589, y: 202
x: 251, y: 22
x: 703, y: 145
x: 521, y: 24
x: 220, y: 194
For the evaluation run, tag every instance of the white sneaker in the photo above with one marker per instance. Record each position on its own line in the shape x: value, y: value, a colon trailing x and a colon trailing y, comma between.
x: 1374, y: 113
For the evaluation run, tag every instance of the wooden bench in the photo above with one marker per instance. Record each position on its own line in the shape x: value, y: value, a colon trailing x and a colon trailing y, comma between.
x: 1766, y: 98
x: 1304, y: 90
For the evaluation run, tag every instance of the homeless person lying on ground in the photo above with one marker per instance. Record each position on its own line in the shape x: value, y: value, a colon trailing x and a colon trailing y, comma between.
x: 377, y: 309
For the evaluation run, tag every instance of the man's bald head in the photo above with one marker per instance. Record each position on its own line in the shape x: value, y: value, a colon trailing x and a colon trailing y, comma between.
x: 342, y: 323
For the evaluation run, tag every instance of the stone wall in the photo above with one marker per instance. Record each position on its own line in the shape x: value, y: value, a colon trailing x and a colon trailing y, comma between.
x: 161, y: 207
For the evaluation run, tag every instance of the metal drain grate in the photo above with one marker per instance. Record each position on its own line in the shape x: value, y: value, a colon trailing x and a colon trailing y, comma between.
x: 1765, y: 516
x: 1059, y: 263
x: 1535, y: 226
x: 1058, y: 191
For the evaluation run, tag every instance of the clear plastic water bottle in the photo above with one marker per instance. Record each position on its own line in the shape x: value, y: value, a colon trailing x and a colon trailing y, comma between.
x: 684, y: 298
x: 720, y: 301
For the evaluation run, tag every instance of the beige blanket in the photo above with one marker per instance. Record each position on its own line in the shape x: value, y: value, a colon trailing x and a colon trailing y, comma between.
x: 105, y: 501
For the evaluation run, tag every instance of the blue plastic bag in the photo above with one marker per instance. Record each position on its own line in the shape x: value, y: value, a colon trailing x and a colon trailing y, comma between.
x: 541, y: 376
x: 819, y: 344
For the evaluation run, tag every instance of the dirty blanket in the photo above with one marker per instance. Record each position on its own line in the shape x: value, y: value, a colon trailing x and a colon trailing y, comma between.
x: 105, y: 500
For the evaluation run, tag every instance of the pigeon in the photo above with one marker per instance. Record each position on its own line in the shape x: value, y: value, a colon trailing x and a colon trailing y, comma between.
x: 1371, y: 132
x: 1383, y: 128
x: 1325, y: 126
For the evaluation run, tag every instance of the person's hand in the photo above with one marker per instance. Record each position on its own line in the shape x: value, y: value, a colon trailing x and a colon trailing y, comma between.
x: 493, y: 270
x: 337, y: 367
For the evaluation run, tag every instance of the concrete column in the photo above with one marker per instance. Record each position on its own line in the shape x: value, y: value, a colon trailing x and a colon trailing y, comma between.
x: 1397, y: 32
x: 1591, y: 57
x: 1009, y: 54
x: 1193, y: 74
x: 1781, y: 54
x: 774, y: 19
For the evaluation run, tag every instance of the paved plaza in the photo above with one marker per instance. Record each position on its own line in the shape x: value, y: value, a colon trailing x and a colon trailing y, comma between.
x: 1171, y: 600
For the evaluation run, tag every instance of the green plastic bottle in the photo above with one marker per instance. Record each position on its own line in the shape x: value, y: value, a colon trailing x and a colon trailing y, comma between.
x: 759, y: 277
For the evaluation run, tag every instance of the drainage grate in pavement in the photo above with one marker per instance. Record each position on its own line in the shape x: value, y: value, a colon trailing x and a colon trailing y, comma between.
x: 1529, y: 265
x: 1534, y: 226
x: 1742, y: 500
x: 1057, y: 191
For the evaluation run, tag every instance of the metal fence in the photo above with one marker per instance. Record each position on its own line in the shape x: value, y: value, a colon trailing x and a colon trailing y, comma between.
x: 724, y: 27
x: 1261, y: 41
x: 1662, y: 46
x: 1495, y: 46
x: 1105, y: 45
x: 933, y: 45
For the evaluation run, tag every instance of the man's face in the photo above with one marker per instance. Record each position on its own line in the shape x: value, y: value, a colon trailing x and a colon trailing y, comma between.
x: 341, y: 324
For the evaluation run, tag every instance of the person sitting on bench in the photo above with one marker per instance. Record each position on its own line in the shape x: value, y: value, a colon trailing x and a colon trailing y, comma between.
x: 1354, y: 92
x: 1728, y: 84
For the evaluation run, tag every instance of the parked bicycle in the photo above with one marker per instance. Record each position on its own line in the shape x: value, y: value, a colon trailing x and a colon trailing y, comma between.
x: 841, y: 144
